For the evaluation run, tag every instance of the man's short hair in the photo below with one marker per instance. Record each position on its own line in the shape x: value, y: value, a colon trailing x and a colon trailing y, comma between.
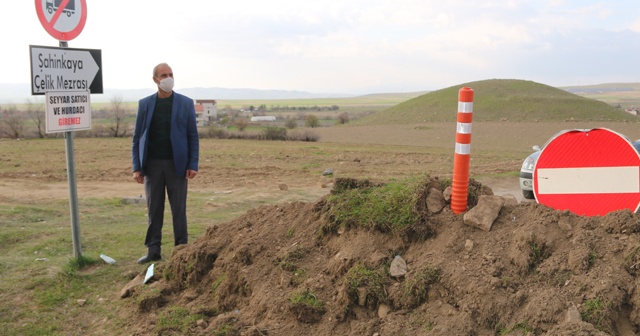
x: 155, y: 69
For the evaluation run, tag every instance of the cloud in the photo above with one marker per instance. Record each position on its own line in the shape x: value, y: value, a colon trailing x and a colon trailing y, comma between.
x: 349, y: 46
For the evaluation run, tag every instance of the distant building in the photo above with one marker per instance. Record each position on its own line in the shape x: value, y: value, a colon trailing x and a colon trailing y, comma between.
x: 263, y: 118
x: 206, y: 111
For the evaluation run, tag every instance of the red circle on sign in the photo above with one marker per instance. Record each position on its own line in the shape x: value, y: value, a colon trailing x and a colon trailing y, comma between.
x: 589, y: 172
x: 59, y: 9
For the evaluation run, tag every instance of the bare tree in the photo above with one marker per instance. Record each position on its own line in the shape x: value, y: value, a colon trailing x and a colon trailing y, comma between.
x: 241, y: 123
x: 13, y: 122
x: 119, y: 112
x: 36, y: 112
x: 343, y: 118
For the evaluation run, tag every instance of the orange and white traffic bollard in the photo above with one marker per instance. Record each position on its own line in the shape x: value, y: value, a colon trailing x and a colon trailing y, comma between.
x: 460, y: 182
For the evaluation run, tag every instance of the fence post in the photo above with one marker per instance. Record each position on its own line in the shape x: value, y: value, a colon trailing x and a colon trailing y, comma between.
x: 460, y: 182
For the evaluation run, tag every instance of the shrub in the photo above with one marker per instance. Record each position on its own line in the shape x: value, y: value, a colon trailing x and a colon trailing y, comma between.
x: 291, y: 123
x: 311, y: 121
x: 343, y: 118
x: 304, y: 135
x: 241, y: 123
x: 275, y: 133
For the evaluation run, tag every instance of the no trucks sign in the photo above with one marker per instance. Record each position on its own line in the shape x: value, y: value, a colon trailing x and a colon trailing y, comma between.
x: 588, y: 172
x: 62, y: 19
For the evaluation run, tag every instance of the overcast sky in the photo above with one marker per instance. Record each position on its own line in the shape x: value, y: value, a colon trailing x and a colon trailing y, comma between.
x: 343, y: 46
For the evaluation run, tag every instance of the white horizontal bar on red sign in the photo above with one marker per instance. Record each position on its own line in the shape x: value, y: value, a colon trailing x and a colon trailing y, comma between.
x: 589, y: 180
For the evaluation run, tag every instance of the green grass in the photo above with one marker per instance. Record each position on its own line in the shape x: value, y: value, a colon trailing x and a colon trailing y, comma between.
x: 415, y: 288
x: 387, y: 208
x: 595, y: 311
x: 177, y: 319
x: 372, y: 281
x: 520, y: 329
x: 307, y: 298
x: 372, y: 100
x: 42, y: 281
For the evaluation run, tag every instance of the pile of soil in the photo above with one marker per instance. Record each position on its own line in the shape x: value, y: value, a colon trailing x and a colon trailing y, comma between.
x: 538, y: 271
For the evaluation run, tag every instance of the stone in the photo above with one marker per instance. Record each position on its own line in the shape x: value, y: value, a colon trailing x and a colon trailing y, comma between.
x: 447, y: 194
x: 283, y: 187
x: 573, y: 315
x: 398, y: 267
x: 137, y: 281
x: 510, y: 200
x: 468, y: 245
x: 201, y: 323
x: 383, y: 310
x: 484, y: 213
x: 328, y: 171
x: 435, y: 201
x: 134, y: 200
x: 362, y: 296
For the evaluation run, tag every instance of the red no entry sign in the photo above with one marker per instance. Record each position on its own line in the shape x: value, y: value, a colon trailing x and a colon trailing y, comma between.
x: 589, y: 172
x: 62, y: 19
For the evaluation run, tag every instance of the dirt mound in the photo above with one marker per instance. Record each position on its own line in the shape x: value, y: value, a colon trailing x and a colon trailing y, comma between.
x: 277, y: 270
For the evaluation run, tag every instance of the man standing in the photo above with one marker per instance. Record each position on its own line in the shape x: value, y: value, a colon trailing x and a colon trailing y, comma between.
x: 165, y: 154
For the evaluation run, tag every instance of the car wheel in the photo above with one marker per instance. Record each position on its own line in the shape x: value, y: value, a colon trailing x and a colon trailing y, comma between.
x: 528, y: 194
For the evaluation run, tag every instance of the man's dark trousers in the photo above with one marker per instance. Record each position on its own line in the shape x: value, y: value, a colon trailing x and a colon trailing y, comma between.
x: 160, y: 177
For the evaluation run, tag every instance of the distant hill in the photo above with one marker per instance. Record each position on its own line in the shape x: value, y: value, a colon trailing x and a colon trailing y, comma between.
x: 603, y: 88
x: 18, y: 93
x: 500, y: 99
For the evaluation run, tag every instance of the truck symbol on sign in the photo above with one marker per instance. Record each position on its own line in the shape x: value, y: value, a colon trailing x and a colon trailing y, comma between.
x: 52, y: 5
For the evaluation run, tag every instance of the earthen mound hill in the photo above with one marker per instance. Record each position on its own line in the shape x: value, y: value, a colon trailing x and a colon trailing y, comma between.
x: 307, y: 269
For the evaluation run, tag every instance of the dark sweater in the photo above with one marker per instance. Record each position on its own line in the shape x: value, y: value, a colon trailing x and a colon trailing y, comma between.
x: 160, y: 130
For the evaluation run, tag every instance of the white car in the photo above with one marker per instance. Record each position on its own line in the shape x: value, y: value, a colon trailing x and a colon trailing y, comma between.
x: 526, y: 173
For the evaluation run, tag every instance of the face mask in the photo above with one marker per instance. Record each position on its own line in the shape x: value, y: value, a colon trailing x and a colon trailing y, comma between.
x: 166, y: 84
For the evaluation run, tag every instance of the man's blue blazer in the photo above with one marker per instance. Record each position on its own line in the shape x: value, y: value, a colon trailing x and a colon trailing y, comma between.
x: 184, y: 134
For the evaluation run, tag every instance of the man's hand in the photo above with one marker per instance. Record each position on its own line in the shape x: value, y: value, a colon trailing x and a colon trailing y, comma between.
x: 191, y: 174
x: 137, y: 176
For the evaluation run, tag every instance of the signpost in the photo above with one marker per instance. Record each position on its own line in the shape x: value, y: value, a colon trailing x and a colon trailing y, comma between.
x: 68, y: 77
x: 589, y: 172
x: 65, y: 69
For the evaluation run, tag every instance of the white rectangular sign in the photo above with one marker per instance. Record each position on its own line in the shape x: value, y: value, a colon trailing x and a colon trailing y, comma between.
x: 68, y: 111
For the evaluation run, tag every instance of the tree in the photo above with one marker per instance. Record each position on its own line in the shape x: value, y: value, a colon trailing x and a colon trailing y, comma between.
x: 119, y: 112
x: 291, y: 123
x: 311, y: 121
x: 241, y: 123
x: 36, y: 112
x: 343, y: 118
x: 13, y: 122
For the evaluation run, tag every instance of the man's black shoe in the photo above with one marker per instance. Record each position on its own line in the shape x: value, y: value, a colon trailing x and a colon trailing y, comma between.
x: 148, y: 258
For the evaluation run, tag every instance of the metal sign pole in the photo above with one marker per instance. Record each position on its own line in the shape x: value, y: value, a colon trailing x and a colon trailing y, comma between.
x: 73, y: 193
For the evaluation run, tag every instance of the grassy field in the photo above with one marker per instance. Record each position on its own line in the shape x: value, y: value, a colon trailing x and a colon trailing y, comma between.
x: 44, y: 291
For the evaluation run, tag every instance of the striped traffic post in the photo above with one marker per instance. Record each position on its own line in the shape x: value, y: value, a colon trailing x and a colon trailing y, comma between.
x: 460, y: 183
